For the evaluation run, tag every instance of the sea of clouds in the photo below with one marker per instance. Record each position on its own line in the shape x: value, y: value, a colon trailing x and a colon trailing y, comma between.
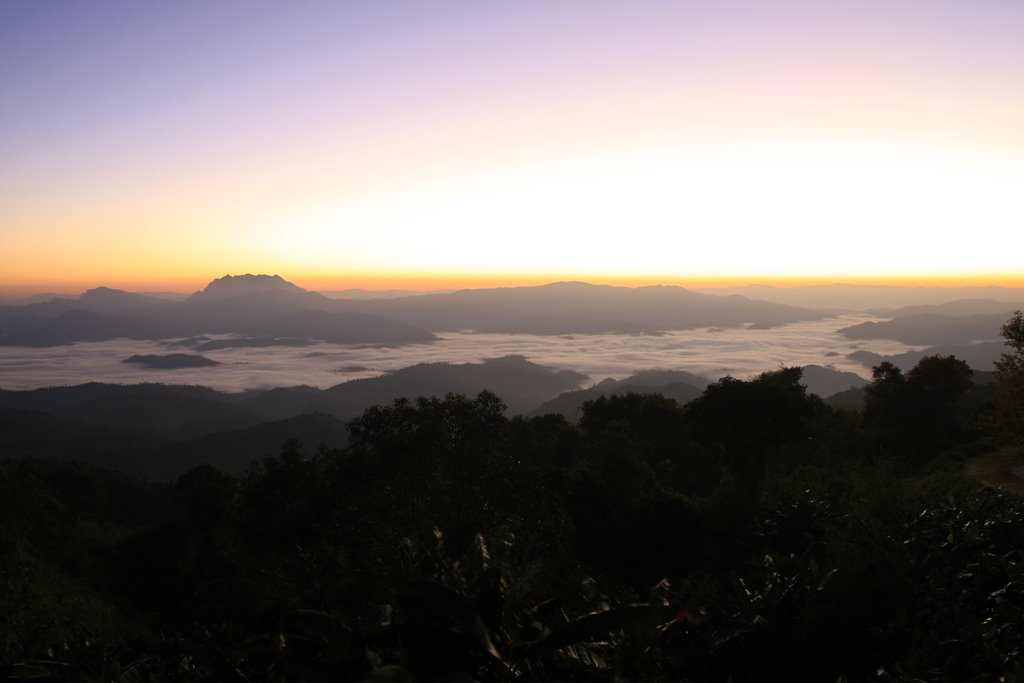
x: 711, y: 352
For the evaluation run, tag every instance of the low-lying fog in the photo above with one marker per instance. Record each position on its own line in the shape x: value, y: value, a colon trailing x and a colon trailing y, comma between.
x: 709, y: 352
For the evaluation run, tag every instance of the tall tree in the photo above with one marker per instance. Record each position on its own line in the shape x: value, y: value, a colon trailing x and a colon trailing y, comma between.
x: 918, y: 416
x: 751, y: 422
x: 1007, y: 422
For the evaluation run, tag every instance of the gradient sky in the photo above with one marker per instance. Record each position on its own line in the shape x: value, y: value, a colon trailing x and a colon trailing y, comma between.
x: 157, y: 145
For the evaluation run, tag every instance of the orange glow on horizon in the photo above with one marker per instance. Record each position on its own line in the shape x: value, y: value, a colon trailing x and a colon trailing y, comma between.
x: 495, y: 145
x: 435, y: 281
x: 445, y: 281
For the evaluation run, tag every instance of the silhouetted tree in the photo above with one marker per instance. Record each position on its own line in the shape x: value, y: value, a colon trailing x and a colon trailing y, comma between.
x: 938, y: 384
x: 204, y: 496
x: 916, y: 416
x: 441, y: 461
x: 749, y: 422
x: 884, y: 399
x: 549, y: 442
x: 1007, y: 419
x: 654, y: 427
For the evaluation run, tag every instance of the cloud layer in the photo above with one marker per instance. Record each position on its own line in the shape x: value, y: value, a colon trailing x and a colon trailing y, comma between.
x: 710, y: 352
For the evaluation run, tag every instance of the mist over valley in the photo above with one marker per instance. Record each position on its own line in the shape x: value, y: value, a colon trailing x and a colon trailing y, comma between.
x: 258, y: 332
x: 710, y: 352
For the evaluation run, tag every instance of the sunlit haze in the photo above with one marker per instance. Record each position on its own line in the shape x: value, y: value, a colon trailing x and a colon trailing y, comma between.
x: 154, y: 146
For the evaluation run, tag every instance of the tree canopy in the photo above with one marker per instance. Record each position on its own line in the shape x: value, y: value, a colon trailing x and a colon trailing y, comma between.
x: 753, y: 533
x: 1008, y: 407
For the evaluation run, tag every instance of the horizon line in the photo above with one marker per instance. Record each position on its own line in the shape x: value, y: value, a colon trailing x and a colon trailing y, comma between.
x: 425, y: 282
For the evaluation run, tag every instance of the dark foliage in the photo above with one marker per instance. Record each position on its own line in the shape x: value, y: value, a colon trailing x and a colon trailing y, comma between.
x: 917, y: 416
x: 752, y: 534
x: 1007, y: 418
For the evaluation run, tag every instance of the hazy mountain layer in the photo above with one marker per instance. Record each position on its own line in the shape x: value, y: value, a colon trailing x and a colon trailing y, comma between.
x: 247, y: 305
x: 269, y: 306
x: 520, y: 384
x: 868, y: 297
x: 684, y: 387
x: 932, y: 328
x: 978, y: 356
x: 825, y: 381
x: 958, y: 307
x: 581, y: 308
x: 680, y: 386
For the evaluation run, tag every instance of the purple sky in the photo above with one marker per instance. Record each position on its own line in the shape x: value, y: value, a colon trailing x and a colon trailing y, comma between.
x: 333, y: 141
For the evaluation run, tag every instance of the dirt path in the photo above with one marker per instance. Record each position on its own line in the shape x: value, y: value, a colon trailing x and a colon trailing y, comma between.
x: 1002, y: 470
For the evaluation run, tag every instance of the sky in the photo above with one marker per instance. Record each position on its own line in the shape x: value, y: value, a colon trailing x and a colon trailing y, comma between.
x: 422, y: 145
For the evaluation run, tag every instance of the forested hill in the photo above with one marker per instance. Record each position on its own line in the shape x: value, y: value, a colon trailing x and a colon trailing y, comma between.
x: 753, y: 533
x: 159, y: 431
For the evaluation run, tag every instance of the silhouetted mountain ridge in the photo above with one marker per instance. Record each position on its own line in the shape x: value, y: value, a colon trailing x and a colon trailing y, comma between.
x: 680, y: 386
x: 957, y: 307
x: 683, y: 387
x: 980, y: 357
x: 582, y: 308
x: 255, y: 305
x: 931, y: 328
x: 520, y: 383
x: 237, y: 285
x: 863, y: 297
x: 826, y: 381
x: 245, y: 305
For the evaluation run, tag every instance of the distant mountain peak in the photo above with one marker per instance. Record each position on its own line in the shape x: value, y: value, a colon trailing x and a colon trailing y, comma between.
x: 234, y: 285
x: 109, y: 300
x: 104, y: 293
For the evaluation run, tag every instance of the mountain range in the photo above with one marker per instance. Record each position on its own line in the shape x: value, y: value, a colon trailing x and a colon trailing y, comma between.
x: 250, y: 306
x: 582, y: 308
x: 880, y: 299
x: 160, y: 431
x: 266, y: 309
x: 968, y: 329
